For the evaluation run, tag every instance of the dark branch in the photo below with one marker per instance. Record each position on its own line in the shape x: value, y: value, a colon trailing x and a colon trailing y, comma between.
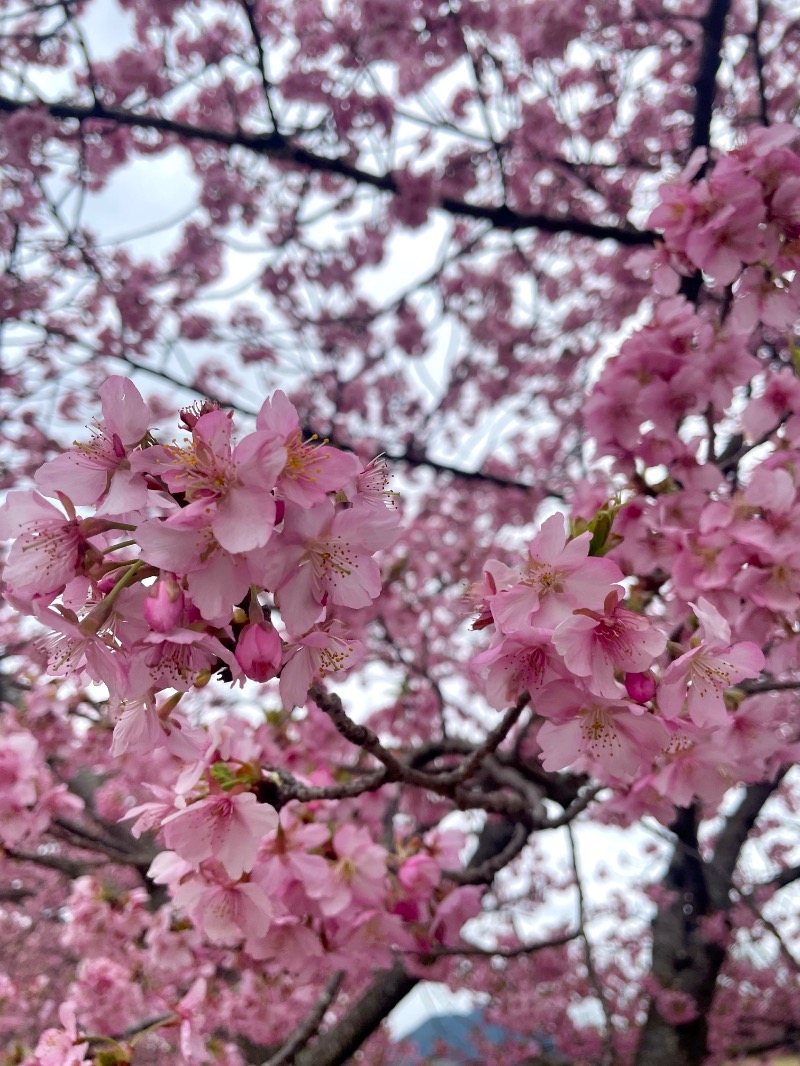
x: 334, y: 1047
x: 501, y: 953
x: 758, y: 63
x: 705, y: 84
x: 783, y: 879
x: 278, y: 146
x: 310, y: 1024
x: 484, y: 873
x: 732, y: 838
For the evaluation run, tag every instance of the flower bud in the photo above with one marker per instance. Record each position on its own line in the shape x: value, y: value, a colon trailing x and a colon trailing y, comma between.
x: 163, y: 607
x: 259, y: 651
x: 641, y: 687
x: 419, y: 875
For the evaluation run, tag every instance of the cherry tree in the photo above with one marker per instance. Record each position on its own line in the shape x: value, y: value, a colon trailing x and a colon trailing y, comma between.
x: 401, y: 455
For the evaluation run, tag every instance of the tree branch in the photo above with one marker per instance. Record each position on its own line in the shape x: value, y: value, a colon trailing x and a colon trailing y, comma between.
x: 705, y: 83
x: 305, y: 1031
x: 335, y: 1046
x: 732, y: 838
x: 758, y: 63
x: 71, y: 868
x: 591, y: 970
x: 783, y: 879
x: 501, y: 953
x: 278, y: 146
x: 484, y: 873
x: 769, y: 925
x: 396, y: 769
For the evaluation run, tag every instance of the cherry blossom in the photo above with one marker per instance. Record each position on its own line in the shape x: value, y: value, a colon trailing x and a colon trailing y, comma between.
x: 312, y: 468
x: 49, y: 549
x: 531, y: 264
x: 313, y: 657
x: 613, y: 738
x: 99, y: 471
x: 226, y: 488
x: 709, y: 668
x: 594, y: 645
x: 557, y: 578
x: 227, y: 828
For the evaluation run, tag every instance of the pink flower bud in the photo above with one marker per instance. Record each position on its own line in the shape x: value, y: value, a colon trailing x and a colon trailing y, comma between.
x: 259, y: 651
x: 419, y: 875
x: 641, y: 687
x: 163, y: 608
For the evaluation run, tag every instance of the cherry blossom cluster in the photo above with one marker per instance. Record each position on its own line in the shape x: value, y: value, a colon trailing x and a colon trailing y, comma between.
x: 301, y: 845
x: 298, y: 878
x: 293, y: 882
x: 618, y: 698
x: 739, y: 225
x: 175, y: 576
x: 597, y: 671
x: 278, y: 894
x: 29, y: 796
x: 190, y: 547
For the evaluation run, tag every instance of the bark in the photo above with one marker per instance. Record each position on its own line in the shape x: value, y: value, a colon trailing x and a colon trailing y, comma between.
x: 683, y: 960
x: 334, y: 1047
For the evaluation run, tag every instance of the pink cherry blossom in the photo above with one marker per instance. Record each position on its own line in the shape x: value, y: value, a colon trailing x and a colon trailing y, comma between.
x: 99, y: 471
x: 285, y: 855
x: 523, y: 661
x: 216, y: 579
x: 369, y: 486
x: 614, y: 738
x: 225, y: 827
x: 49, y: 550
x: 140, y: 729
x: 708, y: 669
x: 226, y: 912
x: 594, y: 645
x: 326, y: 555
x: 358, y: 873
x: 419, y: 875
x: 557, y: 578
x: 311, y: 468
x: 177, y: 659
x: 73, y: 648
x: 193, y: 1046
x: 314, y: 657
x: 62, y: 1047
x: 455, y: 909
x: 226, y: 488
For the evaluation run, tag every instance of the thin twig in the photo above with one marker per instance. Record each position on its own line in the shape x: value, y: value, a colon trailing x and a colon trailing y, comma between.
x: 501, y: 953
x: 305, y: 1031
x: 591, y: 971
